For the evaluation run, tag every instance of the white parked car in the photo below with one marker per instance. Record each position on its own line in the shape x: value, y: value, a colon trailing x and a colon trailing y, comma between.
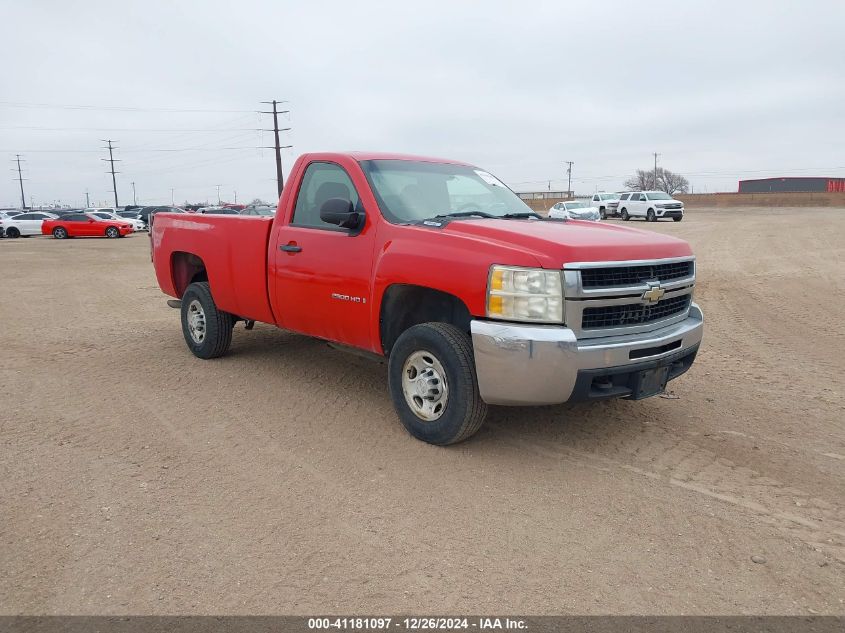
x: 607, y: 203
x: 137, y: 225
x: 651, y: 205
x: 25, y: 224
x: 574, y: 210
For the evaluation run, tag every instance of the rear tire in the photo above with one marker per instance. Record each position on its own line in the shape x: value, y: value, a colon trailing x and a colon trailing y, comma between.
x: 12, y: 232
x: 625, y: 215
x: 650, y: 217
x: 60, y: 233
x: 432, y: 364
x: 112, y: 232
x: 207, y: 330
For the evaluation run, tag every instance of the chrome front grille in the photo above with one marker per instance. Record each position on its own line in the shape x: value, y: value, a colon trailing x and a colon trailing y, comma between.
x: 632, y: 275
x: 612, y: 298
x: 633, y: 313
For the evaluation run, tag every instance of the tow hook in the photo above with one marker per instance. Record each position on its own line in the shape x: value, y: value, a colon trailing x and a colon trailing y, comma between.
x: 249, y: 324
x: 175, y: 303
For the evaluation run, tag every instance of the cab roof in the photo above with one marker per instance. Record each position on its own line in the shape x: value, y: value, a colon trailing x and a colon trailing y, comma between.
x: 366, y: 155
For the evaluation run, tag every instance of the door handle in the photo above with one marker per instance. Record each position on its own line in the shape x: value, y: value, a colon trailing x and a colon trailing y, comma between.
x: 290, y: 248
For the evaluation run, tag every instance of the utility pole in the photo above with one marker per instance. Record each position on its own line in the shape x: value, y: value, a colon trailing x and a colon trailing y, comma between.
x: 172, y: 202
x: 20, y: 181
x: 280, y: 180
x: 569, y: 176
x: 218, y: 194
x: 236, y: 196
x: 654, y: 178
x: 134, y: 199
x: 87, y: 201
x: 110, y: 160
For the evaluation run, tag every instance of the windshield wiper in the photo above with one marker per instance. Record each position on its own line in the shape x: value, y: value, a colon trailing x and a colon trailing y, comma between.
x: 465, y: 214
x: 484, y: 214
x: 521, y: 215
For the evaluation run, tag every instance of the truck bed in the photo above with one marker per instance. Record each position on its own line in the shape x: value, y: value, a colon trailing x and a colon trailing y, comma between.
x: 233, y: 250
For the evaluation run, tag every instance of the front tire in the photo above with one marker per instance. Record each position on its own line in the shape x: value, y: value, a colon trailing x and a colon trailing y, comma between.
x: 433, y: 384
x: 650, y: 217
x: 207, y: 330
x: 678, y: 219
x: 60, y: 233
x: 12, y: 232
x: 602, y: 213
x: 625, y: 215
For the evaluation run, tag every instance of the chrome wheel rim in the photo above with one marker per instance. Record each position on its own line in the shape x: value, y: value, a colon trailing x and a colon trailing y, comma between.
x: 60, y: 233
x: 111, y: 232
x: 424, y: 386
x: 196, y: 322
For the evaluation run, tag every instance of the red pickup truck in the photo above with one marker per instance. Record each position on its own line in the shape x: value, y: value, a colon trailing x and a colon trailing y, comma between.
x: 438, y: 267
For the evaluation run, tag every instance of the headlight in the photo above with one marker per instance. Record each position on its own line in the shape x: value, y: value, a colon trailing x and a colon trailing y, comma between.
x: 524, y: 294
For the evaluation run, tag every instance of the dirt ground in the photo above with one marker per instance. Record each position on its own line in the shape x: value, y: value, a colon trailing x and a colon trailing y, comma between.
x: 136, y: 479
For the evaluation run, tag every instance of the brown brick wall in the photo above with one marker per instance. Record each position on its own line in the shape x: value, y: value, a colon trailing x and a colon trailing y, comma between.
x: 763, y: 199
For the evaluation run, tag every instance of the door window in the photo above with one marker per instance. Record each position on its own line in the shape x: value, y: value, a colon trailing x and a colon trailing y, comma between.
x: 321, y: 182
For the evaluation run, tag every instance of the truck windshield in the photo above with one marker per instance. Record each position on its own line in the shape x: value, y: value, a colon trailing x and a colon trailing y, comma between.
x: 411, y: 191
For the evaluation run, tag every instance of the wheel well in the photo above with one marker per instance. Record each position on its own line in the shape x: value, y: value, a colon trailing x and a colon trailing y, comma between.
x: 186, y: 269
x: 405, y: 306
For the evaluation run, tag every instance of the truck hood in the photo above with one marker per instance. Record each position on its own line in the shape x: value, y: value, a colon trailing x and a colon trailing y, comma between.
x: 555, y: 243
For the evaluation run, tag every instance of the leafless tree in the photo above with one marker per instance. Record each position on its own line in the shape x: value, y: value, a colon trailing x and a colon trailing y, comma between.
x: 640, y: 181
x: 667, y: 181
x: 670, y: 182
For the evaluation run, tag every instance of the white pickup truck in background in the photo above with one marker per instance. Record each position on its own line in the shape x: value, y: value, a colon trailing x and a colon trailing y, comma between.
x: 606, y: 203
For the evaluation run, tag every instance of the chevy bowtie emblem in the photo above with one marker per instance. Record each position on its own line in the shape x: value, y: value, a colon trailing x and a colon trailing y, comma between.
x: 653, y: 294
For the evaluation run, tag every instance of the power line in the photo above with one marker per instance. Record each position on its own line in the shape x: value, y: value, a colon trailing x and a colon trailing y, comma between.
x: 141, y: 151
x: 56, y: 106
x: 127, y: 129
x: 111, y: 162
x: 280, y: 179
x: 654, y: 177
x: 20, y: 181
x: 569, y: 174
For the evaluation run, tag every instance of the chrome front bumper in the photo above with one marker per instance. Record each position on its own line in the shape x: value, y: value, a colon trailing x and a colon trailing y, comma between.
x: 519, y: 364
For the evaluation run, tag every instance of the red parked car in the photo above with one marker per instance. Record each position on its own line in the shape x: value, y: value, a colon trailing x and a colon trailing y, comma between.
x: 84, y: 225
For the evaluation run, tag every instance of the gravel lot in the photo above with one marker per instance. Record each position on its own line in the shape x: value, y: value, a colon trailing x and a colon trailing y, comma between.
x: 136, y: 479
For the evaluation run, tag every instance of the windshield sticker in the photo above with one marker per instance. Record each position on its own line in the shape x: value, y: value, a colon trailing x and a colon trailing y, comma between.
x: 490, y: 179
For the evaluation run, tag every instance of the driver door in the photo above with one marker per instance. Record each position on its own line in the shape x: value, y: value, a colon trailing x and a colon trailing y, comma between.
x: 321, y: 272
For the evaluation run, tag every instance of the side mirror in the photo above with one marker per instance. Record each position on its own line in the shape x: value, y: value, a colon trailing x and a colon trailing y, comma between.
x: 341, y: 212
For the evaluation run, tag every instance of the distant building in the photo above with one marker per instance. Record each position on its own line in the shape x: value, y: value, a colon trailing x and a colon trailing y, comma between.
x: 792, y: 184
x: 545, y: 195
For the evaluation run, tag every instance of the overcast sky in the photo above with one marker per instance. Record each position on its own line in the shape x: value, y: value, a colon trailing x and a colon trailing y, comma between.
x: 722, y: 90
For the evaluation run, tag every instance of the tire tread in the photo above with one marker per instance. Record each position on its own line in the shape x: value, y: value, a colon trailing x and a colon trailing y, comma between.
x: 223, y: 323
